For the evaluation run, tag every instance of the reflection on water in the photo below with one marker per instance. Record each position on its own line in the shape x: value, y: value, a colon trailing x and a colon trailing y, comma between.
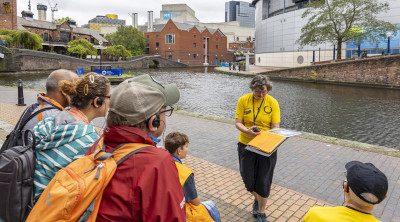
x: 362, y: 114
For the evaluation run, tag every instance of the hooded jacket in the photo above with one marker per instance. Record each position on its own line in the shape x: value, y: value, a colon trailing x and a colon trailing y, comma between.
x: 60, y: 140
x: 145, y: 187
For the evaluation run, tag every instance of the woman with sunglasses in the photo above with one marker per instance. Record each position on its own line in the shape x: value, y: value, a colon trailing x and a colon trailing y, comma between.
x: 67, y: 136
x: 254, y: 112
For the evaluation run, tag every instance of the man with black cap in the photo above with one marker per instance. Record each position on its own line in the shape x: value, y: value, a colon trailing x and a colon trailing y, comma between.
x: 365, y: 187
x: 145, y: 187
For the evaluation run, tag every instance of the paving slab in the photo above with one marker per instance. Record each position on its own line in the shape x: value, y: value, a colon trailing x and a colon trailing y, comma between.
x: 308, y: 172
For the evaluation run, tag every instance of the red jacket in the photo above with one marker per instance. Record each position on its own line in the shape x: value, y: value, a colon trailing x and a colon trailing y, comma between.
x: 145, y: 187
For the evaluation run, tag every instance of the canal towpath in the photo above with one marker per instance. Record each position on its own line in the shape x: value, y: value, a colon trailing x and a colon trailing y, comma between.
x: 308, y: 172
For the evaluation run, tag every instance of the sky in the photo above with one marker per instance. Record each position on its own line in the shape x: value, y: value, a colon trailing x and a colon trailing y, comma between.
x: 84, y: 10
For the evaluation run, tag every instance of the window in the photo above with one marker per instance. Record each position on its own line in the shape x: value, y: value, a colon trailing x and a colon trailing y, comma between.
x: 170, y: 57
x: 170, y: 39
x: 194, y: 55
x: 204, y: 46
x: 194, y: 45
x: 157, y: 44
x: 216, y: 46
x: 148, y: 36
x: 156, y: 36
x: 194, y: 36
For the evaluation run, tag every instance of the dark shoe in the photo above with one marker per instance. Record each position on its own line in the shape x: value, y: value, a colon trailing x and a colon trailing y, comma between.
x: 261, y: 217
x: 255, y: 208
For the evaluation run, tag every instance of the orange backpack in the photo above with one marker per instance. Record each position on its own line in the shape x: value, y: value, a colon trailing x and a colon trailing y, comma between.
x: 75, y: 192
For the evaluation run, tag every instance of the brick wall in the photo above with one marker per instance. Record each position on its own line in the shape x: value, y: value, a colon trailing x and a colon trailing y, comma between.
x: 379, y: 71
x: 8, y: 20
x: 29, y: 60
x: 189, y: 45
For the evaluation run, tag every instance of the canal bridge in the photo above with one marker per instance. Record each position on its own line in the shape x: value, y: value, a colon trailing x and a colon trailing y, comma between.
x: 19, y: 60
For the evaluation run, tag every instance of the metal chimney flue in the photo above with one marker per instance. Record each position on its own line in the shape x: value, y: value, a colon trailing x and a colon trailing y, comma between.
x: 42, y: 10
x: 149, y: 21
x: 135, y: 20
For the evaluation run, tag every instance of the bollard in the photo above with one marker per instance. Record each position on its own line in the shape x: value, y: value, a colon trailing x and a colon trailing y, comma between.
x: 20, y: 94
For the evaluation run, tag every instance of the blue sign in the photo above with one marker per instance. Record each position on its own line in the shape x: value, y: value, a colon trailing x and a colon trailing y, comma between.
x: 167, y: 15
x: 109, y: 72
x: 80, y: 71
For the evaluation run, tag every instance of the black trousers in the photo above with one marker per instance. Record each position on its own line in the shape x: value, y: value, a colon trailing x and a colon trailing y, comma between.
x: 256, y: 170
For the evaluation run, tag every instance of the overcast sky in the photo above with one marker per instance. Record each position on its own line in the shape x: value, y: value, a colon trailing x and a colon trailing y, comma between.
x: 84, y: 10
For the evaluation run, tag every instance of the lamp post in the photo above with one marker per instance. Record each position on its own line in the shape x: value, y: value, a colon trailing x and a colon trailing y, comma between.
x: 388, y: 34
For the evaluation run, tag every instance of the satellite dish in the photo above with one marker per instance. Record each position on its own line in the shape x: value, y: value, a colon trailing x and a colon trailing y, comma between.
x: 100, y: 42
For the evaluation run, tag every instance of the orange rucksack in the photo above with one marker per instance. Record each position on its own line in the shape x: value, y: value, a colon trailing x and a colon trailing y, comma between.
x: 75, y: 192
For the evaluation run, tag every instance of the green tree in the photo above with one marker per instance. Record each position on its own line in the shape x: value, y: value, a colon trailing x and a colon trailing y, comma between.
x: 22, y: 38
x: 333, y: 21
x: 129, y: 37
x: 117, y: 51
x: 61, y: 20
x: 81, y: 47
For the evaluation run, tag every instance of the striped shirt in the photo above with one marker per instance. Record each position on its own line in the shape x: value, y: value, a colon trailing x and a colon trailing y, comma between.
x: 58, y: 144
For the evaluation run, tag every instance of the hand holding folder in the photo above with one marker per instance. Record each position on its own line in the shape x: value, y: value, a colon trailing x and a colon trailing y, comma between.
x: 266, y: 142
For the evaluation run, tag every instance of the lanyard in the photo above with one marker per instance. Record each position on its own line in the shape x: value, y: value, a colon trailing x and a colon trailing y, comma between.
x: 255, y: 116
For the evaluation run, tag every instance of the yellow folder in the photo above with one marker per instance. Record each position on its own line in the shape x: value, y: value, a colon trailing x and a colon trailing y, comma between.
x: 266, y: 142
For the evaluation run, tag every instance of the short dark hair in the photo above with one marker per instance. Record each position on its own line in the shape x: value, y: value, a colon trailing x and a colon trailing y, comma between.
x: 174, y: 140
x: 259, y: 81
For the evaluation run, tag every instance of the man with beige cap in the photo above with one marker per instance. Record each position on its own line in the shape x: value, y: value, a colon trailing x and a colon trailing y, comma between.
x: 145, y: 187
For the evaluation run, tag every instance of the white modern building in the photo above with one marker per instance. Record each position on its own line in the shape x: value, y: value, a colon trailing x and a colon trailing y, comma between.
x: 278, y: 27
x: 178, y: 13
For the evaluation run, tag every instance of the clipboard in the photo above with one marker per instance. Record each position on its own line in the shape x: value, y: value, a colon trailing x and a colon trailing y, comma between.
x: 265, y: 143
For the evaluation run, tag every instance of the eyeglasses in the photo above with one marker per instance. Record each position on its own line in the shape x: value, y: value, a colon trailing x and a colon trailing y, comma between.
x: 108, y: 96
x: 168, y: 112
x: 260, y: 91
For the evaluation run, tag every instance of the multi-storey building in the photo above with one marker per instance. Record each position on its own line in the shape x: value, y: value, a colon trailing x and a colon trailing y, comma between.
x: 188, y: 44
x: 178, y: 13
x: 108, y: 20
x: 278, y: 27
x: 243, y: 12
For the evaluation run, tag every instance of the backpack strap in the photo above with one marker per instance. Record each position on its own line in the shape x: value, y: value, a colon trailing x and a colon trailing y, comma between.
x: 35, y: 114
x: 120, y: 155
x: 130, y: 154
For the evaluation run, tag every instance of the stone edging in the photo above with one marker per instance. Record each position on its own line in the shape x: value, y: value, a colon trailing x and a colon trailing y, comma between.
x: 316, y: 137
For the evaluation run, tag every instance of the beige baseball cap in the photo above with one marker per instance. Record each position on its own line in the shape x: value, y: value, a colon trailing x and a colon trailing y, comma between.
x: 139, y: 98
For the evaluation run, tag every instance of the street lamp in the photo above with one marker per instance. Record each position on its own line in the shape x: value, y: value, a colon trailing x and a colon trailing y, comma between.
x: 388, y: 34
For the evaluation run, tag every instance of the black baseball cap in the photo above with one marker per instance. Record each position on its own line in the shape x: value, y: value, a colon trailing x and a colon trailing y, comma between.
x: 366, y: 178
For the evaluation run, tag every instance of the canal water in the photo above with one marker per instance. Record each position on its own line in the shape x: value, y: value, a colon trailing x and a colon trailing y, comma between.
x: 368, y: 115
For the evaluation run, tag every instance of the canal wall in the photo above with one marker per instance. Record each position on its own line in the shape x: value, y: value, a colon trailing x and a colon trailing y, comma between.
x: 28, y: 60
x: 379, y: 71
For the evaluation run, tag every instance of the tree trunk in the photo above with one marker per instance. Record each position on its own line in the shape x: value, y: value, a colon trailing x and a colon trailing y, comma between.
x: 339, y: 49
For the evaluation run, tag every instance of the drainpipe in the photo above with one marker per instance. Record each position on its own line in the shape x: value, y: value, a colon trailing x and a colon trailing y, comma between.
x: 205, y: 52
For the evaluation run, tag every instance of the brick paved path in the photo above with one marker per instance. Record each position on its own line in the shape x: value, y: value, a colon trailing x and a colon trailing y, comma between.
x: 308, y: 173
x: 310, y: 167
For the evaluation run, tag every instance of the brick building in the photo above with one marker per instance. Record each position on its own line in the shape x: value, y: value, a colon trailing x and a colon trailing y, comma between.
x: 188, y: 44
x: 245, y: 46
x: 8, y: 14
x: 57, y: 35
